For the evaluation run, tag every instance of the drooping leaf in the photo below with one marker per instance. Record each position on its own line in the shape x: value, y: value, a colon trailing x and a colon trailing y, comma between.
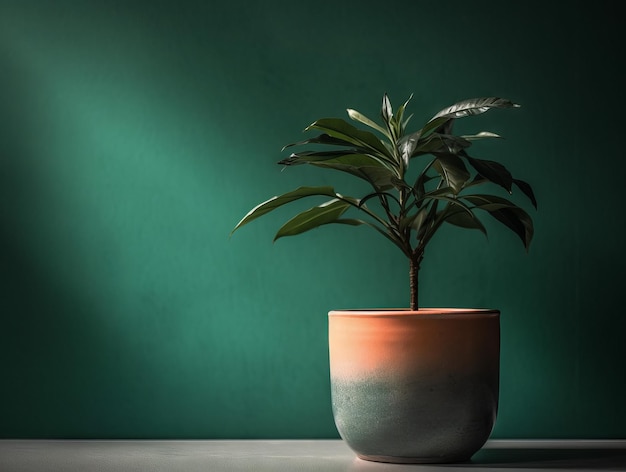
x: 321, y: 139
x: 527, y: 190
x: 323, y: 214
x: 446, y: 195
x: 278, y: 201
x: 477, y: 180
x: 340, y: 129
x: 488, y: 202
x: 517, y: 220
x: 507, y: 213
x: 493, y: 171
x: 465, y: 220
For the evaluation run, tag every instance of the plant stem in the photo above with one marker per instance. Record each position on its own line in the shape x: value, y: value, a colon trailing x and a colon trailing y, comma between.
x: 414, y: 267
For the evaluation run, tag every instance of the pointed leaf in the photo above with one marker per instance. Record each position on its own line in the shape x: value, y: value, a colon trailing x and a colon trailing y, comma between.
x: 429, y: 220
x: 488, y: 202
x: 321, y: 139
x: 325, y: 213
x: 494, y: 171
x: 507, y: 213
x: 481, y: 135
x: 465, y: 220
x: 517, y: 220
x: 308, y: 157
x: 527, y: 190
x: 362, y: 166
x: 433, y: 125
x: 417, y: 220
x: 452, y: 170
x: 342, y: 130
x: 438, y: 142
x: 386, y: 111
x: 455, y: 202
x: 408, y: 144
x: 474, y: 106
x: 278, y: 201
x: 419, y: 188
x: 400, y: 113
x: 355, y: 115
x: 406, y: 122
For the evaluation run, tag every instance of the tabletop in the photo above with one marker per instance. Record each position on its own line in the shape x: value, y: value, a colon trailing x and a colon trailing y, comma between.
x: 292, y: 455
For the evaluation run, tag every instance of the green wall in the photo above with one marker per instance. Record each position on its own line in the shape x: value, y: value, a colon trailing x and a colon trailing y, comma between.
x: 134, y: 135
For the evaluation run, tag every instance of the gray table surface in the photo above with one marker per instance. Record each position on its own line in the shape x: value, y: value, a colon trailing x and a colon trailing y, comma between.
x: 293, y: 456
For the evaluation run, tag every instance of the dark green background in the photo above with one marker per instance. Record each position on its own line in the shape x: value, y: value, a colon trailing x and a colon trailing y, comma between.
x: 134, y: 135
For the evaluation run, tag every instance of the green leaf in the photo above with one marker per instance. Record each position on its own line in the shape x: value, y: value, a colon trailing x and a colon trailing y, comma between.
x: 407, y: 145
x: 506, y: 213
x: 455, y: 202
x: 493, y: 171
x: 278, y: 201
x: 417, y: 220
x: 427, y: 221
x: 488, y: 202
x: 406, y: 122
x: 481, y: 135
x: 384, y: 195
x: 474, y: 106
x: 355, y: 115
x: 419, y: 188
x: 328, y: 212
x: 465, y: 220
x: 442, y: 121
x: 438, y: 142
x: 517, y: 220
x: 362, y: 166
x: 342, y: 130
x: 308, y: 157
x: 527, y: 190
x: 400, y: 115
x: 452, y: 170
x: 321, y: 139
x: 433, y: 125
x: 386, y: 109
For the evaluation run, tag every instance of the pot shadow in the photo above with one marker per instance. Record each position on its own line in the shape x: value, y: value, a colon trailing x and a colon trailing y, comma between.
x: 547, y: 458
x: 587, y: 459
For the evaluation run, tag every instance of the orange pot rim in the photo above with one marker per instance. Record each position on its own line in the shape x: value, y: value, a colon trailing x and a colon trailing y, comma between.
x: 421, y: 313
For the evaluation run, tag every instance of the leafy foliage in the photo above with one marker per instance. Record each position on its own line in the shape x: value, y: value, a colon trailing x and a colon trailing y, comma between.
x: 408, y: 211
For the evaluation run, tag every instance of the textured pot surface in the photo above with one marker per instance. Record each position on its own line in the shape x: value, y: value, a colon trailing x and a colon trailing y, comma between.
x: 415, y: 386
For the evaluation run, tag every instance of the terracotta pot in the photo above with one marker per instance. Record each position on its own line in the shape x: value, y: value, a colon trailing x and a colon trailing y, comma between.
x: 415, y: 386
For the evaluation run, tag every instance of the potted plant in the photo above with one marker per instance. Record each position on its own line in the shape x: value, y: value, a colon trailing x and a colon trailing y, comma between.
x: 410, y: 385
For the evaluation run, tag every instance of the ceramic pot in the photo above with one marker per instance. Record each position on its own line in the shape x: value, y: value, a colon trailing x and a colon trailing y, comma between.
x: 415, y: 386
